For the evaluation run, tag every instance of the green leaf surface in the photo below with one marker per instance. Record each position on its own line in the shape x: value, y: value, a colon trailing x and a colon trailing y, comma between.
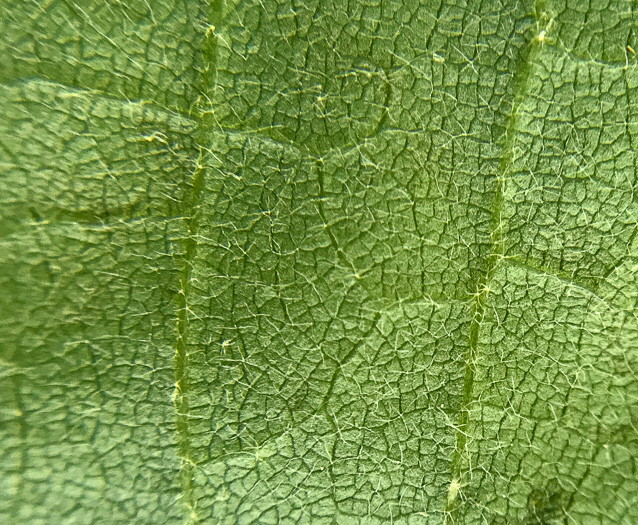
x: 321, y: 261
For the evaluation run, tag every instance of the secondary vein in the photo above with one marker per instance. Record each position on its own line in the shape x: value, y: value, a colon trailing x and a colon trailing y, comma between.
x: 191, y: 207
x: 496, y: 254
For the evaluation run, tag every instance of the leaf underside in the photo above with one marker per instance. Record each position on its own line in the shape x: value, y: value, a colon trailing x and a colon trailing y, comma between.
x: 272, y: 261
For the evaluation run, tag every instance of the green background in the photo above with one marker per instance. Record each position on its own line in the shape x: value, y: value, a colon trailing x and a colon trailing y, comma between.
x: 318, y: 262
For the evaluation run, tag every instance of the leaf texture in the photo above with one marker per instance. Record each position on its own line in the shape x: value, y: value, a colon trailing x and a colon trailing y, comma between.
x: 318, y: 262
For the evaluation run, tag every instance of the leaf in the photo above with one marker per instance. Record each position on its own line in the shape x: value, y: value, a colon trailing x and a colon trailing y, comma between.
x: 366, y: 262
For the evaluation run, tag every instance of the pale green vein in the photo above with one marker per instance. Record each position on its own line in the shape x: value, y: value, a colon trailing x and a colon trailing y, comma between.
x: 68, y: 89
x: 191, y: 206
x: 497, y: 253
x: 567, y: 280
x: 181, y: 356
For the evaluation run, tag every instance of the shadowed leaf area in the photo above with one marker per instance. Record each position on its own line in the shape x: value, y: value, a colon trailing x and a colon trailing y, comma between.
x: 319, y: 261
